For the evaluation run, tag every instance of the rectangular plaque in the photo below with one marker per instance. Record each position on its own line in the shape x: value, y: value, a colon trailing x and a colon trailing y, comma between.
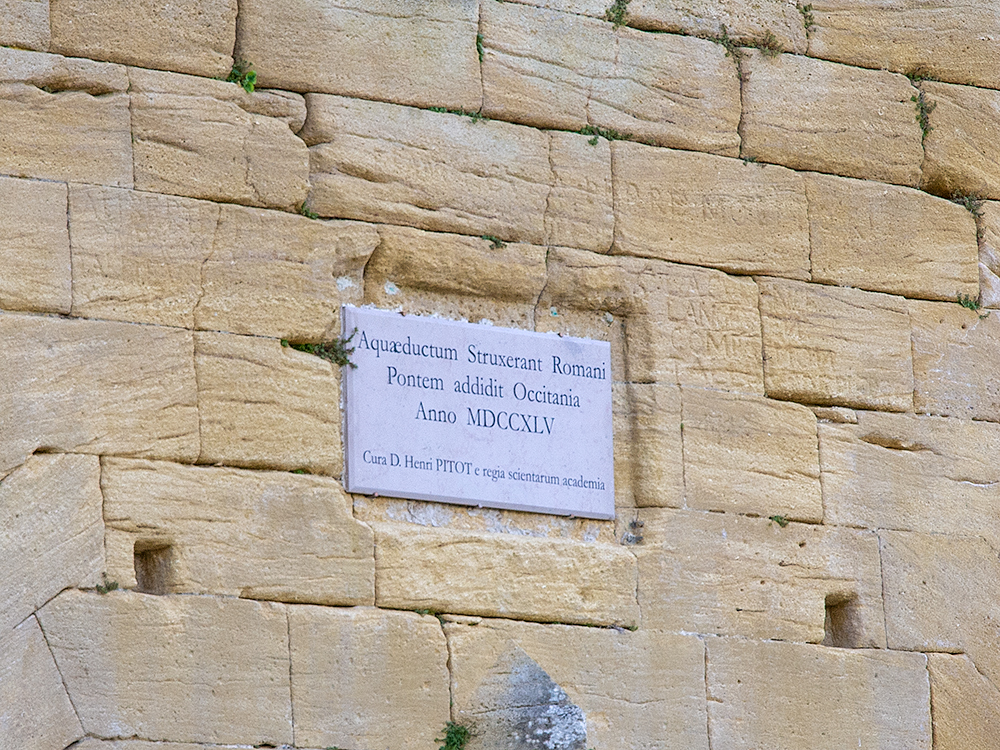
x: 476, y: 415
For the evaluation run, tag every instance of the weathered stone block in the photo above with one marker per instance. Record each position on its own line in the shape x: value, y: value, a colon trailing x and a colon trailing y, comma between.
x: 989, y: 255
x: 692, y: 326
x: 431, y: 170
x: 64, y: 119
x: 63, y: 385
x: 35, y: 712
x: 559, y: 70
x: 188, y: 669
x: 579, y: 211
x: 800, y: 697
x: 940, y: 595
x: 455, y: 275
x: 890, y: 239
x: 963, y: 146
x: 640, y: 690
x: 929, y: 474
x: 367, y: 678
x: 650, y: 452
x: 723, y: 213
x: 502, y: 575
x: 34, y: 247
x: 51, y: 532
x: 954, y: 361
x: 24, y: 24
x: 724, y: 574
x: 746, y: 21
x: 964, y: 704
x: 795, y: 109
x: 950, y: 43
x: 425, y: 49
x: 252, y: 534
x: 192, y: 37
x: 748, y: 454
x: 830, y: 345
x: 211, y: 139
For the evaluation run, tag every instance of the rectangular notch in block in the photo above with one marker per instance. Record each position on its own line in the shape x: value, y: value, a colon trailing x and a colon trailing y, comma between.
x: 152, y: 567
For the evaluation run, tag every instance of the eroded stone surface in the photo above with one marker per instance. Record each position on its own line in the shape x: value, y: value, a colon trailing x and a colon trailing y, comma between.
x: 431, y: 170
x: 264, y: 406
x: 795, y: 109
x: 830, y: 345
x: 723, y: 213
x: 747, y: 454
x: 35, y: 712
x: 954, y: 372
x: 188, y: 669
x: 257, y: 535
x: 64, y: 119
x: 501, y: 575
x: 192, y: 37
x: 51, y: 532
x: 367, y: 678
x: 34, y: 247
x: 24, y: 24
x: 579, y: 211
x: 929, y: 474
x: 640, y: 690
x: 989, y: 255
x: 964, y: 704
x: 425, y: 49
x: 723, y: 574
x: 63, y: 384
x: 802, y: 697
x: 890, y: 239
x: 211, y: 139
x: 650, y: 452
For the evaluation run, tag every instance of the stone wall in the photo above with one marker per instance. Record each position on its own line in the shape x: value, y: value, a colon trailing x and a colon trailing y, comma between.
x: 785, y: 220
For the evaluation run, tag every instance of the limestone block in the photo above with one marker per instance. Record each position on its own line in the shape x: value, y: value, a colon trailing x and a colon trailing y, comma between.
x: 989, y: 255
x: 191, y: 37
x: 425, y: 49
x: 746, y: 21
x: 64, y: 119
x: 456, y: 276
x: 890, y: 239
x: 34, y: 247
x: 725, y: 574
x: 35, y: 712
x: 958, y: 43
x: 822, y: 116
x: 367, y: 679
x: 559, y: 70
x: 211, y: 139
x: 831, y: 345
x: 51, y: 532
x: 592, y: 8
x: 799, y: 697
x: 431, y: 170
x: 137, y: 256
x: 723, y: 213
x: 963, y: 147
x: 264, y: 406
x: 501, y: 575
x: 748, y: 454
x: 963, y: 704
x: 252, y: 534
x: 281, y: 275
x: 940, y: 595
x: 929, y: 474
x: 639, y: 690
x: 63, y: 385
x: 651, y: 453
x: 24, y: 24
x: 580, y: 208
x: 683, y: 325
x: 188, y: 669
x: 954, y: 361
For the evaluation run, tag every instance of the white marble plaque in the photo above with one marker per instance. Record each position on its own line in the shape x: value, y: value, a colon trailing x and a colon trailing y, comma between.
x: 476, y: 415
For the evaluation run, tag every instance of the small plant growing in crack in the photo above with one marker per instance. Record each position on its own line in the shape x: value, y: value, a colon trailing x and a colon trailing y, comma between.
x: 924, y: 108
x: 308, y: 212
x: 104, y: 588
x: 474, y: 116
x: 479, y: 46
x: 780, y: 520
x: 732, y: 48
x: 495, y: 242
x: 971, y: 303
x: 456, y: 737
x: 335, y: 351
x: 606, y: 133
x: 768, y: 44
x: 808, y: 19
x: 617, y: 13
x: 243, y: 74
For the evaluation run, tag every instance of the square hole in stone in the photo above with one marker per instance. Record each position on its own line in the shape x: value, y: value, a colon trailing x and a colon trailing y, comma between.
x: 843, y: 629
x: 152, y: 567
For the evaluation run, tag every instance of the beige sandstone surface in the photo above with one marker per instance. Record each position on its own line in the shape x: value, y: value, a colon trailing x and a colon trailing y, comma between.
x: 650, y: 452
x: 24, y: 24
x: 989, y: 255
x: 579, y: 210
x: 963, y: 703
